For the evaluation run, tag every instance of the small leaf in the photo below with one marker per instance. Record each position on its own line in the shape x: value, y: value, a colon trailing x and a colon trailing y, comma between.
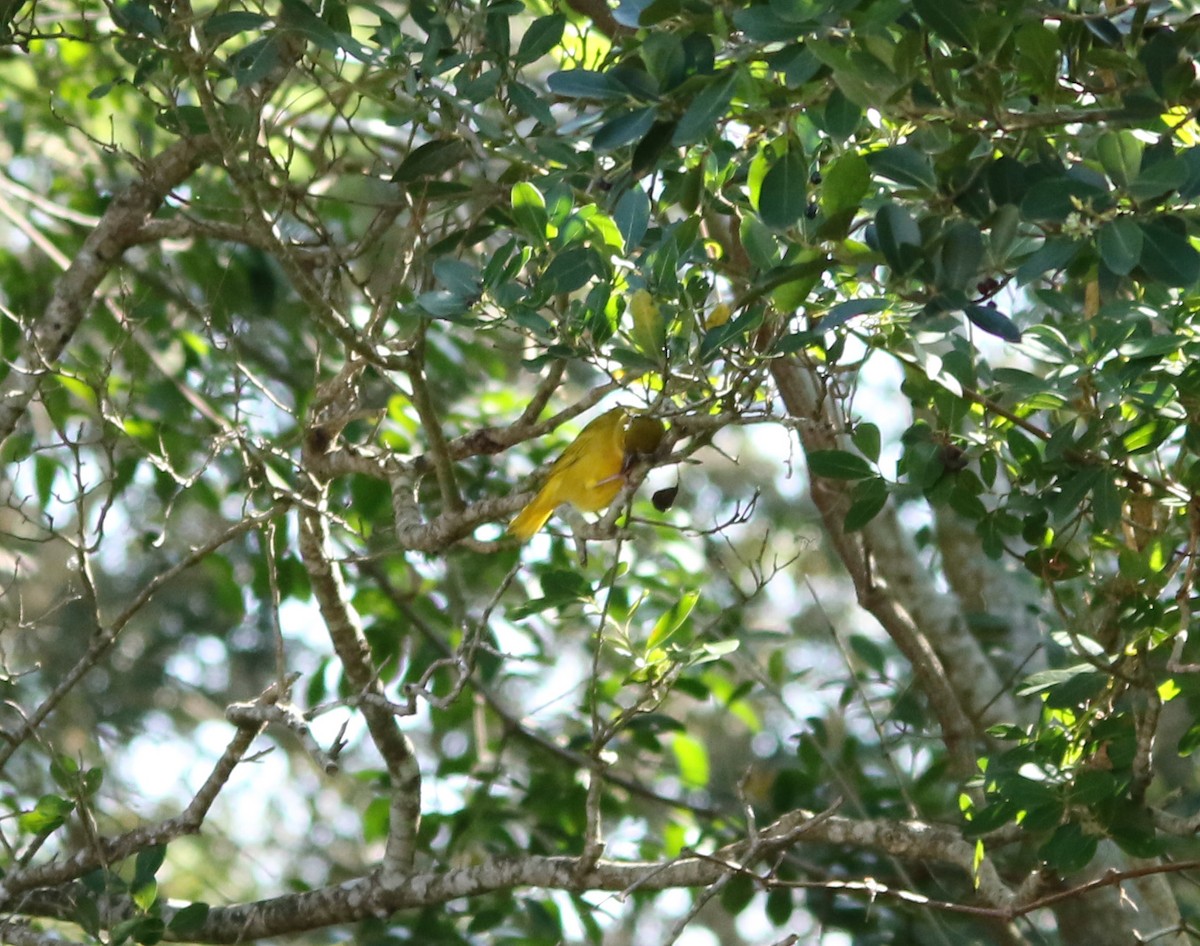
x: 868, y: 440
x: 47, y: 814
x: 672, y: 619
x: 148, y: 862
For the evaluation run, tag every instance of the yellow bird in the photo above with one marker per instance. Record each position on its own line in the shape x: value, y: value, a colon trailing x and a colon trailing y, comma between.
x: 588, y: 475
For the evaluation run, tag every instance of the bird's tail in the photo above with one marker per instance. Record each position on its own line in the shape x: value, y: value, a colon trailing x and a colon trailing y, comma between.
x: 530, y: 519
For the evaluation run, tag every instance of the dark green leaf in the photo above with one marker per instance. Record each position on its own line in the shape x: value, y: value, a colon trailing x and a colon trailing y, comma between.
x: 530, y: 103
x: 1159, y: 179
x: 868, y: 440
x: 627, y: 127
x: 1120, y: 244
x: 950, y: 20
x: 147, y: 863
x: 543, y: 35
x: 1054, y: 254
x: 899, y: 237
x: 993, y: 321
x: 737, y: 894
x: 844, y: 311
x: 783, y: 196
x: 961, y: 255
x: 220, y: 27
x: 1167, y: 255
x: 585, y: 84
x: 1068, y: 850
x: 571, y: 269
x: 632, y: 217
x: 838, y: 465
x: 903, y: 164
x: 705, y: 111
x: 431, y: 159
x: 867, y: 500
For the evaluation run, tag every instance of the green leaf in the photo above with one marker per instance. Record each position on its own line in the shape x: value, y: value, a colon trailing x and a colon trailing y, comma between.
x: 843, y: 312
x: 739, y: 891
x: 838, y: 465
x: 571, y: 269
x: 867, y: 500
x: 529, y: 208
x: 899, y: 237
x: 759, y: 242
x: 780, y: 906
x: 705, y: 111
x: 1159, y: 179
x: 144, y: 894
x: 1120, y: 244
x: 1167, y: 255
x: 431, y: 159
x: 950, y: 20
x: 626, y: 127
x: 841, y: 118
x: 529, y: 103
x: 691, y: 757
x: 45, y: 469
x: 632, y: 216
x: 961, y: 255
x: 543, y: 35
x: 147, y: 863
x: 253, y: 62
x: 783, y: 197
x: 220, y: 27
x: 671, y: 620
x: 868, y: 440
x: 991, y: 320
x: 1052, y: 255
x: 48, y: 814
x: 847, y: 180
x: 585, y: 84
x: 903, y: 164
x: 1120, y: 154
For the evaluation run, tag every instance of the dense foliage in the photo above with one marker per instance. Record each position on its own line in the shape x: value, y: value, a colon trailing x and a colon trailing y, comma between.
x: 886, y: 641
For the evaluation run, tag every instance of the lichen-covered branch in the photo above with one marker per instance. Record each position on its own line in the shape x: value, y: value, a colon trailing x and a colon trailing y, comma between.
x: 345, y: 631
